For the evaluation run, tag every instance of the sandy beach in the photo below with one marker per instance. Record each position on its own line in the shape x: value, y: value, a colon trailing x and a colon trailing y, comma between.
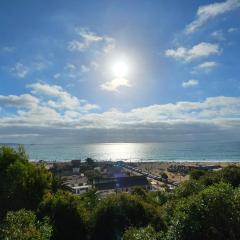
x: 158, y: 168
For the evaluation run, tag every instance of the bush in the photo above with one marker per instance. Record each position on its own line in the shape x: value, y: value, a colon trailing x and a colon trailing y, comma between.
x: 196, y: 174
x: 230, y: 174
x: 147, y: 233
x: 211, y: 214
x: 22, y: 184
x: 23, y: 225
x: 187, y: 188
x: 66, y: 215
x: 116, y: 213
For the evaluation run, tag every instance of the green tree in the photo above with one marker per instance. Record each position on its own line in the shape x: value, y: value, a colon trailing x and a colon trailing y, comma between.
x: 66, y: 215
x: 147, y: 233
x: 158, y: 197
x: 231, y: 175
x: 187, y: 188
x: 196, y: 174
x: 211, y: 214
x: 10, y: 155
x: 22, y: 184
x: 139, y: 191
x: 90, y: 199
x: 23, y: 225
x: 59, y: 184
x: 116, y: 213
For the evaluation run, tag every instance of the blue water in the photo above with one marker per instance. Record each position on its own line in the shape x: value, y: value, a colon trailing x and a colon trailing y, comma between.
x: 166, y: 151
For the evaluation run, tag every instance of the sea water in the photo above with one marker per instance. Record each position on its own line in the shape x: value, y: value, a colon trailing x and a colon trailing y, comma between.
x: 163, y: 151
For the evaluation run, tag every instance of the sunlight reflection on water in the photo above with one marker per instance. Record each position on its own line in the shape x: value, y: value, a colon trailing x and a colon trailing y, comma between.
x: 167, y: 151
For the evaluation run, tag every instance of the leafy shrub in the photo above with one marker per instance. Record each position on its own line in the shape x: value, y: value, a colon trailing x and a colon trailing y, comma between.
x: 23, y: 225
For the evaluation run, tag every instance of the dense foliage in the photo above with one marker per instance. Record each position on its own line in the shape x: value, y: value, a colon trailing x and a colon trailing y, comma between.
x: 34, y: 204
x: 23, y: 225
x: 116, y: 213
x: 66, y: 214
x: 22, y: 184
x: 147, y: 233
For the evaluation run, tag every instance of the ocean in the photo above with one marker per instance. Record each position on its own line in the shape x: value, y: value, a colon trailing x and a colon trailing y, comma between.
x: 163, y: 151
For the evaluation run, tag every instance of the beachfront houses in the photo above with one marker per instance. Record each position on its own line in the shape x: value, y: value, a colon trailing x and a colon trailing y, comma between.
x: 104, y: 177
x: 121, y: 184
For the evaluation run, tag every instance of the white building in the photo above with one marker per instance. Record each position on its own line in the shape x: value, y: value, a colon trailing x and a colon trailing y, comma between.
x: 81, y: 189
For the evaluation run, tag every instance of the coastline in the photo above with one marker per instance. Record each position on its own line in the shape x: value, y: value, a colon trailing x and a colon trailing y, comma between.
x: 176, y: 171
x: 147, y: 161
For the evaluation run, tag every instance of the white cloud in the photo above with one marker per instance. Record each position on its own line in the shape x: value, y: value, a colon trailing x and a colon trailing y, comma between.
x: 200, y: 50
x: 51, y: 106
x: 218, y: 35
x: 221, y: 111
x: 214, y: 114
x: 90, y: 39
x: 45, y: 89
x: 190, y: 83
x: 22, y: 101
x: 58, y: 98
x: 64, y: 99
x: 20, y: 70
x: 210, y: 11
x: 206, y: 66
x: 115, y: 84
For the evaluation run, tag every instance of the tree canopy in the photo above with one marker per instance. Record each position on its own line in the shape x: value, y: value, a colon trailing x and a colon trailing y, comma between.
x: 22, y: 183
x: 23, y: 225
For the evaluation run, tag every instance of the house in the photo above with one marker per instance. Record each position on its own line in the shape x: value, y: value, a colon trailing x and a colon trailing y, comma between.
x: 75, y: 180
x: 123, y: 184
x: 77, y: 183
x: 81, y: 189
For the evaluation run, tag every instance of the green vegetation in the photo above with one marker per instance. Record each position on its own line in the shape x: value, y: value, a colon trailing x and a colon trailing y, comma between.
x: 116, y: 213
x: 66, y: 215
x: 36, y: 205
x: 23, y: 225
x: 22, y: 184
x: 147, y: 233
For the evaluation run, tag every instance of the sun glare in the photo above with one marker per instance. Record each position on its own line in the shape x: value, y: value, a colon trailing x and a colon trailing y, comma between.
x: 120, y: 69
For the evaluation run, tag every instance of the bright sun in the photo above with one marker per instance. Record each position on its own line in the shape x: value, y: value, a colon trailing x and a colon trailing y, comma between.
x: 120, y: 69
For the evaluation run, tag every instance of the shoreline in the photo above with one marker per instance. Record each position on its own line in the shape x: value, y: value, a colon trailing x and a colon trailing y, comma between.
x: 143, y: 161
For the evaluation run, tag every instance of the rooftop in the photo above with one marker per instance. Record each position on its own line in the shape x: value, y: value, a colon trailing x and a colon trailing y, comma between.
x: 121, y: 182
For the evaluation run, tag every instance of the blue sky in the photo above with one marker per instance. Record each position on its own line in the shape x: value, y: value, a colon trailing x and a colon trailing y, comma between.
x: 177, y: 70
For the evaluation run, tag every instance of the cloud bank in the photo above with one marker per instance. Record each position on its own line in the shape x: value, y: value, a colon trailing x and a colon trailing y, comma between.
x: 48, y: 112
